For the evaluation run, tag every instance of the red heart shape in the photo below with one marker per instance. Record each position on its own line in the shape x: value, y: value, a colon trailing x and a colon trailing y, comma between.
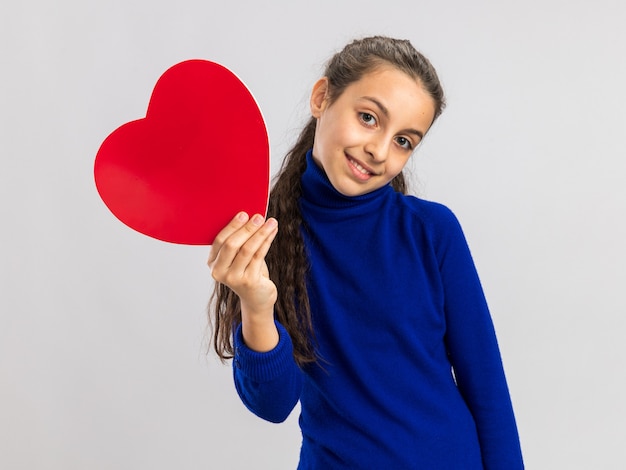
x: 199, y: 157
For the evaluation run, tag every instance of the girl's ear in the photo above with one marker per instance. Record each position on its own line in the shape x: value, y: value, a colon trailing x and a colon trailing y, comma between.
x: 319, y: 97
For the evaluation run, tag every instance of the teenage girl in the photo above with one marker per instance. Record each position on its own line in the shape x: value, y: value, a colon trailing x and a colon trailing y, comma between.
x: 365, y: 305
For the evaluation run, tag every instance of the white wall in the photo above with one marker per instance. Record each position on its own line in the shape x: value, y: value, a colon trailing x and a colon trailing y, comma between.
x: 103, y: 330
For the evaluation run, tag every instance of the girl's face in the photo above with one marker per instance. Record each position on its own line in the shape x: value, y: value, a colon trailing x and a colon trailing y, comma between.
x: 366, y: 136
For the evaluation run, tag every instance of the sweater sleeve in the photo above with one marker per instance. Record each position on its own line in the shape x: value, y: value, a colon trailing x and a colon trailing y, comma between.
x: 474, y: 352
x: 269, y: 383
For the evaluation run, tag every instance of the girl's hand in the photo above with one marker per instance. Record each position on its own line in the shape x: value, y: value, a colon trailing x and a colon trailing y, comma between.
x: 237, y: 260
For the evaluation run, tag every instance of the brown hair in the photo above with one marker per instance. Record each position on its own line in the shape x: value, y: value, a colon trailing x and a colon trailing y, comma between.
x: 287, y: 258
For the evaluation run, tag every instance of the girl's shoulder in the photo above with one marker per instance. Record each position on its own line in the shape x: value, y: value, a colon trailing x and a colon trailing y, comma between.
x: 434, y: 221
x: 430, y: 213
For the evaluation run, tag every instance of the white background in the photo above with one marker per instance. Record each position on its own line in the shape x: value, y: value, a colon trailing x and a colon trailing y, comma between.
x: 103, y: 330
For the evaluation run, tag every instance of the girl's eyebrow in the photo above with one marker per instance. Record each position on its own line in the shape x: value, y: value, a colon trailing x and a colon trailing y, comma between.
x: 382, y: 107
x: 385, y: 111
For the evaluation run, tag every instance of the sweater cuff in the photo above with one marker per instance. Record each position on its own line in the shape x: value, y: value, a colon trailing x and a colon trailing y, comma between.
x: 263, y: 366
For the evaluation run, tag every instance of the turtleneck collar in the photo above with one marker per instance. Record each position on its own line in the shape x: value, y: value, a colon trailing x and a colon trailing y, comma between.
x: 318, y: 191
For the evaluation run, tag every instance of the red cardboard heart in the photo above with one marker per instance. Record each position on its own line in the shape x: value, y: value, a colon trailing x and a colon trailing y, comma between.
x: 199, y: 157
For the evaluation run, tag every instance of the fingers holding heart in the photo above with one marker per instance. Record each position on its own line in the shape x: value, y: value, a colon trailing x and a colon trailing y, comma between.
x: 237, y: 258
x: 234, y: 225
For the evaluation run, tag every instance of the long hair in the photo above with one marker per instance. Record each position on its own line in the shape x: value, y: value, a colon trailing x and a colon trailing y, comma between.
x: 287, y: 257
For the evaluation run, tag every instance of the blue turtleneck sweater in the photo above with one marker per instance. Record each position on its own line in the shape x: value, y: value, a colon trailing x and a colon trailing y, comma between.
x: 411, y: 375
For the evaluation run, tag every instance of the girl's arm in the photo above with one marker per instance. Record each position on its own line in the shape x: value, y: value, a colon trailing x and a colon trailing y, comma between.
x: 237, y: 260
x: 266, y: 375
x: 474, y: 353
x: 269, y: 383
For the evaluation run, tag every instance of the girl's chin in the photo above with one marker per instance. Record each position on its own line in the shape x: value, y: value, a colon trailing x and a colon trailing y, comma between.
x: 350, y: 188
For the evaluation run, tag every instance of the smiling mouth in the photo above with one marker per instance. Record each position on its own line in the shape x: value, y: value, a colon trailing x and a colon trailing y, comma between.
x: 358, y: 169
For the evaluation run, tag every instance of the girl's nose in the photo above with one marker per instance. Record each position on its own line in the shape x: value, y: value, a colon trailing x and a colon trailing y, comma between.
x: 378, y: 149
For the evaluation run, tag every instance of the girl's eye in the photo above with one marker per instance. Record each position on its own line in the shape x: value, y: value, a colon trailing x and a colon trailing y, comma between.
x: 404, y: 143
x: 367, y: 119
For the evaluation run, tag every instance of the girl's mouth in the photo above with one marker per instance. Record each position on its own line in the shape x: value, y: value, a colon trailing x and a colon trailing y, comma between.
x: 358, y: 170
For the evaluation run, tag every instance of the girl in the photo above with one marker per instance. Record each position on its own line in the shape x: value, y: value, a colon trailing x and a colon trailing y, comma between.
x: 365, y: 305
